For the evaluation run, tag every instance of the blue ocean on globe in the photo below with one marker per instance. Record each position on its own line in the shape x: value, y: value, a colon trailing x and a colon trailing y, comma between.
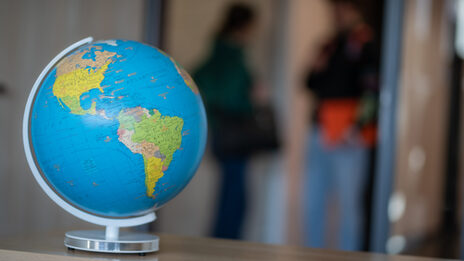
x: 117, y: 128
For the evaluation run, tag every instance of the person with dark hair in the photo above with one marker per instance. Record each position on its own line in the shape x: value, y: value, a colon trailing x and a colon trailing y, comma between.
x: 343, y: 80
x: 225, y: 83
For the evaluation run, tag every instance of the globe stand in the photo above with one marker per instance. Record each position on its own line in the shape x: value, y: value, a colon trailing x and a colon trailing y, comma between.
x: 111, y: 241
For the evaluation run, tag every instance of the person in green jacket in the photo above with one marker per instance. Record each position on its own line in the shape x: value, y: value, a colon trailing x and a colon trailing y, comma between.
x: 225, y: 84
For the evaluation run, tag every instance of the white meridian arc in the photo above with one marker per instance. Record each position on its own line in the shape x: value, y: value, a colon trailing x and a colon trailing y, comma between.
x: 103, y: 221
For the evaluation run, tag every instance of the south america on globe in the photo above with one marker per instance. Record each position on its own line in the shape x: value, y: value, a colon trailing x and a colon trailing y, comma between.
x: 117, y: 128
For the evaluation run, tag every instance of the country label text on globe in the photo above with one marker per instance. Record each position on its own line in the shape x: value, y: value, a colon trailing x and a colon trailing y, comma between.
x: 117, y: 128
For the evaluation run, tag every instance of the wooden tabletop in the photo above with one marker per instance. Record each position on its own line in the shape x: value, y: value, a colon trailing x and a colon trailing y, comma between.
x: 172, y: 247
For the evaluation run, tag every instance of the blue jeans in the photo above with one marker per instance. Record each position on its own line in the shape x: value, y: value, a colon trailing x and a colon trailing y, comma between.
x: 232, y: 198
x: 340, y: 171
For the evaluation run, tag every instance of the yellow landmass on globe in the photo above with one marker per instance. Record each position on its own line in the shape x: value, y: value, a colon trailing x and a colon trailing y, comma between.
x: 76, y: 76
x: 153, y: 172
x: 69, y: 87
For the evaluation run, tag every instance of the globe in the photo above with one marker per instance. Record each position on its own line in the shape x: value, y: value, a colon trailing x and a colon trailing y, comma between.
x: 117, y: 128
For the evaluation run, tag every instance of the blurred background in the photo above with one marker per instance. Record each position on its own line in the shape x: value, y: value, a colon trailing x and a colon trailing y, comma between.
x: 401, y: 61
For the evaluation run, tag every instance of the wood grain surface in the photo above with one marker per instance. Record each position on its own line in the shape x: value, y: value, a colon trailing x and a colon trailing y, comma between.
x: 173, y: 247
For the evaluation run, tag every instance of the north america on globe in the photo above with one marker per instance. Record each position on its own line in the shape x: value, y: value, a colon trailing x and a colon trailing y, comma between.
x: 118, y: 128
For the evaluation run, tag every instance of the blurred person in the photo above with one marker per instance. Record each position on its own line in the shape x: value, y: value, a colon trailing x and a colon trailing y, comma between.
x: 225, y: 82
x: 343, y: 81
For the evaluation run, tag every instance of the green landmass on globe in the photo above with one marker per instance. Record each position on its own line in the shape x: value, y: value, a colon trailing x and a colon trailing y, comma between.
x: 154, y: 136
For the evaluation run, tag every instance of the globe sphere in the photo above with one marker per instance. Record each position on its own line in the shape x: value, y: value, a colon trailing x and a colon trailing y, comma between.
x: 117, y: 128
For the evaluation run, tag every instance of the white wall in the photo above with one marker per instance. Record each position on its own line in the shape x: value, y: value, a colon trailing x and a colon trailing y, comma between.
x: 31, y: 34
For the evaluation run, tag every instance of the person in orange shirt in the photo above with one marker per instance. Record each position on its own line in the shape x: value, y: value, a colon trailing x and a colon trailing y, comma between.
x: 343, y: 80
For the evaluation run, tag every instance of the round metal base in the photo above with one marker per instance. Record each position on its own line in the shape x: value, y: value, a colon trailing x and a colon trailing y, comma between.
x: 127, y: 242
